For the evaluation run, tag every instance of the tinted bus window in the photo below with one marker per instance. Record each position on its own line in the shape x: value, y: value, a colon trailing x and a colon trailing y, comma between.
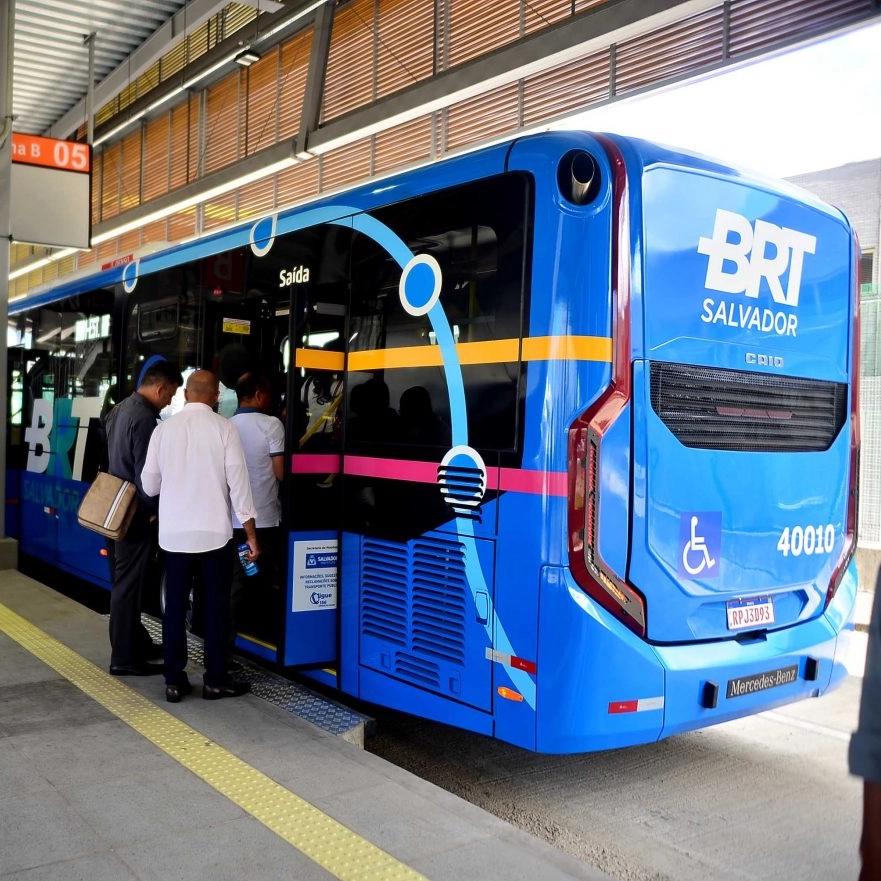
x: 478, y: 235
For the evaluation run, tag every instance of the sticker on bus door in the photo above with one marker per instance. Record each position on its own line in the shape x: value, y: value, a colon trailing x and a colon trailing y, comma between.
x: 315, y: 575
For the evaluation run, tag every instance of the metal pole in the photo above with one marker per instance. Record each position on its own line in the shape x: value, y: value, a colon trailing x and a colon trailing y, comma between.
x: 7, y: 42
x: 90, y: 91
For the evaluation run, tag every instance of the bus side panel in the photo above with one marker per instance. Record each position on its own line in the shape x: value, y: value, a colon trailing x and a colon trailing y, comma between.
x: 51, y: 533
x: 612, y: 701
x: 312, y: 602
x: 426, y: 612
x: 13, y: 503
x: 379, y: 687
x: 39, y: 524
x: 529, y: 524
x: 79, y: 550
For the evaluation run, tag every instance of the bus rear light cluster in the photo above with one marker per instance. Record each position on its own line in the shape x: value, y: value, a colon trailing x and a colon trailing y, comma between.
x: 585, y: 560
x: 591, y: 501
x: 588, y: 569
x: 853, y: 482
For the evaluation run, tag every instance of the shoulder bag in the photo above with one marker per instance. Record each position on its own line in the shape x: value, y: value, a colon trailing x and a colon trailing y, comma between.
x: 109, y: 506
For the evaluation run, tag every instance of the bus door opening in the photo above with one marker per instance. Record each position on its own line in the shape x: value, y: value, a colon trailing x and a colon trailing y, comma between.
x: 246, y: 331
x: 309, y: 270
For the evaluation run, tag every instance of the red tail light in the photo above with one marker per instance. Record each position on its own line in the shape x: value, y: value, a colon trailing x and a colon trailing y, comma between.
x: 853, y: 480
x: 588, y: 569
x: 586, y: 436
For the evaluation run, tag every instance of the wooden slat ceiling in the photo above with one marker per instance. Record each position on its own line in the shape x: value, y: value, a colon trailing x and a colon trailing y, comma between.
x: 51, y: 58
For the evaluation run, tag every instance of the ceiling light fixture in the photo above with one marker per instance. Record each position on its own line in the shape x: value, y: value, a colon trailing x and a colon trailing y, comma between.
x: 247, y: 57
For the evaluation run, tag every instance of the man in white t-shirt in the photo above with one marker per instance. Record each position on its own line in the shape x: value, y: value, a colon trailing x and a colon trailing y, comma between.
x: 263, y: 440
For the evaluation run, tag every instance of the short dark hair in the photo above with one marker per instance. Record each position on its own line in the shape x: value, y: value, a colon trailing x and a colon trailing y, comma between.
x: 161, y: 371
x: 249, y: 384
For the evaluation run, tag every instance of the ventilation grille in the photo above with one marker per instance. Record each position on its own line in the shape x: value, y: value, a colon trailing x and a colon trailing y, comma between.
x: 417, y: 670
x: 384, y: 591
x: 439, y: 590
x: 734, y: 410
x: 414, y: 596
x: 462, y: 488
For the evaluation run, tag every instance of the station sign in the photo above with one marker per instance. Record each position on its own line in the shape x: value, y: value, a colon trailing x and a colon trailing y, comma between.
x: 51, y: 153
x: 51, y: 184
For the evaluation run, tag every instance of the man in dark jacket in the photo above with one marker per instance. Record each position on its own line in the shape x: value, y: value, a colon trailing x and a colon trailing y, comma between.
x: 129, y: 426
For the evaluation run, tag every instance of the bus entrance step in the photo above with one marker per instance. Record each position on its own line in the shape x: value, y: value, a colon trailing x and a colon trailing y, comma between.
x: 295, y: 698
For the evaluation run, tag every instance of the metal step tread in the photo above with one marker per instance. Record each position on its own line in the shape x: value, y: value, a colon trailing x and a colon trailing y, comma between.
x: 295, y: 698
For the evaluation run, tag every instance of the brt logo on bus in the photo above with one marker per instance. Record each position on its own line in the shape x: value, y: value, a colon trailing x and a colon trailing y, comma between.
x: 738, y: 267
x: 58, y: 435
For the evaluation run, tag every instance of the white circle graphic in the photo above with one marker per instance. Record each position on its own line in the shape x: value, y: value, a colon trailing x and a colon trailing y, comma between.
x: 261, y: 248
x: 413, y: 287
x: 130, y: 278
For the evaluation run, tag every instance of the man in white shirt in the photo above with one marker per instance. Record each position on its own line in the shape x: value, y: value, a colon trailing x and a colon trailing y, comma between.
x: 263, y: 441
x: 196, y: 465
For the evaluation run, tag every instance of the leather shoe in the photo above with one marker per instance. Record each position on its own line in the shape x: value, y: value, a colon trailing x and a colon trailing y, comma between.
x: 233, y: 688
x: 141, y: 669
x: 174, y: 693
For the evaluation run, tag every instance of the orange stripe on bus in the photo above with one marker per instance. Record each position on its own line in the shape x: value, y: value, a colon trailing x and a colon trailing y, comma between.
x: 402, y: 356
x: 567, y: 348
x: 318, y: 359
x: 546, y: 348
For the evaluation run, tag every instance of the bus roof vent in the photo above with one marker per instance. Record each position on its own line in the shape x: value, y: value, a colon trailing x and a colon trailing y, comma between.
x: 714, y: 409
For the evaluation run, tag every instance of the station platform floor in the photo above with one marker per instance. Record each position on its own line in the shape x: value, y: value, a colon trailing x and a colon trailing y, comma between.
x: 102, y: 779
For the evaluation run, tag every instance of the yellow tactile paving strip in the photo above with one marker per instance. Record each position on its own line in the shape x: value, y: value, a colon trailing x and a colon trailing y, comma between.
x: 331, y: 845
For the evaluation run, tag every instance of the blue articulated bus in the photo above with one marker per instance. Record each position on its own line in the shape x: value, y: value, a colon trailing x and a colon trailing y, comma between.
x: 572, y: 429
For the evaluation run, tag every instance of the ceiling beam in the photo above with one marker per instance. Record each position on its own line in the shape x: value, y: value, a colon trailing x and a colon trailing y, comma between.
x: 151, y: 50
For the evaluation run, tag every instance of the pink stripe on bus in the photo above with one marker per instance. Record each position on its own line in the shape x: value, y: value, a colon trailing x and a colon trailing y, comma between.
x: 551, y: 483
x: 391, y: 469
x: 315, y: 463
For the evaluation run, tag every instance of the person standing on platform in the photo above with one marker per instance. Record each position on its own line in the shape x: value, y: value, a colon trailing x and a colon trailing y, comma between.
x: 196, y: 465
x: 865, y: 749
x: 129, y: 426
x: 263, y: 441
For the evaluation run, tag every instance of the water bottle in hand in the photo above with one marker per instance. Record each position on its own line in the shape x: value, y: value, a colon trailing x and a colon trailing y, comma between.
x: 249, y: 566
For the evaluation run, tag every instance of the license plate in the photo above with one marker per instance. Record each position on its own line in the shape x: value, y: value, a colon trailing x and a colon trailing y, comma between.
x: 750, y: 614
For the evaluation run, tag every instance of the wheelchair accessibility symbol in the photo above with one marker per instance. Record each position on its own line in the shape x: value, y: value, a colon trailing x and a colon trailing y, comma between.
x: 700, y: 539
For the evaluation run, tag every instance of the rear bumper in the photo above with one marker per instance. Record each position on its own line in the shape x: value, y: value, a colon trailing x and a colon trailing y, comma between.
x: 818, y: 649
x: 601, y: 687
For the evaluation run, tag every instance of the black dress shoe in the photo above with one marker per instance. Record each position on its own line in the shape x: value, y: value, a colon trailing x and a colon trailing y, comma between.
x: 174, y: 693
x: 141, y: 669
x: 233, y: 688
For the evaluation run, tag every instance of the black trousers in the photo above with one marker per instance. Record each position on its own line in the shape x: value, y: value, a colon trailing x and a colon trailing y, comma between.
x: 132, y: 573
x: 215, y: 569
x: 246, y: 590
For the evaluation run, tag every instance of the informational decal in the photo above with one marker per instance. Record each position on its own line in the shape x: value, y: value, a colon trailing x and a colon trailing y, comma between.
x: 700, y: 543
x: 315, y: 575
x: 237, y: 325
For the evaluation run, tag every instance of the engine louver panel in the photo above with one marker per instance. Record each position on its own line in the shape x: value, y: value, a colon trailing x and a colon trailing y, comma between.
x: 714, y: 409
x: 384, y: 573
x: 414, y: 596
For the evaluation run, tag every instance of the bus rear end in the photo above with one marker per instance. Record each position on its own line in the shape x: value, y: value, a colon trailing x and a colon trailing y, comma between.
x: 713, y: 487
